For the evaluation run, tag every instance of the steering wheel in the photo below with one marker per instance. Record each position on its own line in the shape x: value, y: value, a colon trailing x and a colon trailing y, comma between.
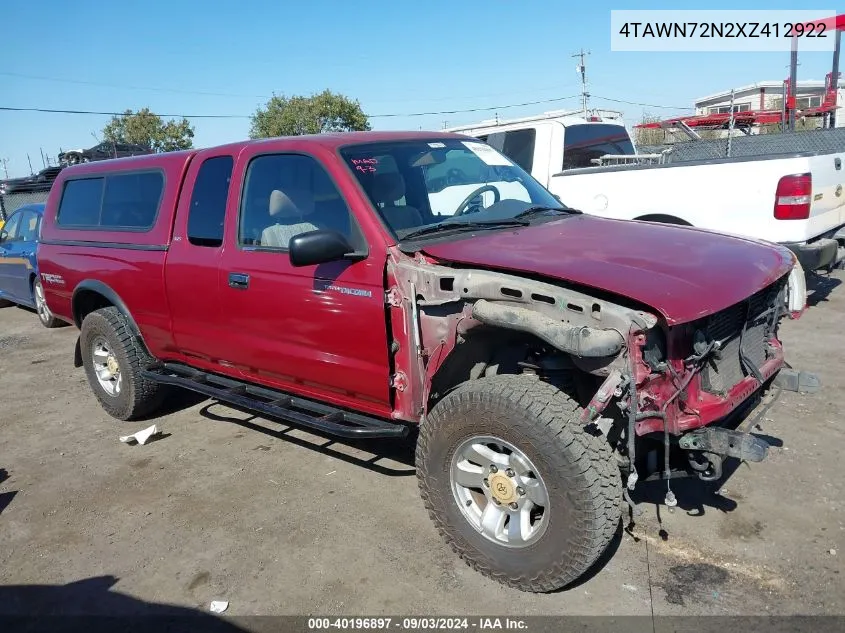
x: 463, y: 206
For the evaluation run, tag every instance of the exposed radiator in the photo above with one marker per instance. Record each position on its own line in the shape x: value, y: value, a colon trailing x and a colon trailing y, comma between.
x: 725, y: 369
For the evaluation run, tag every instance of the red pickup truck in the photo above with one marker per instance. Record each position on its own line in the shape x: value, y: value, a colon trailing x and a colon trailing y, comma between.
x: 372, y: 284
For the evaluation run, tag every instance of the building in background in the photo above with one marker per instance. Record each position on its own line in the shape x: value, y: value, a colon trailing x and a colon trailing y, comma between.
x: 768, y: 95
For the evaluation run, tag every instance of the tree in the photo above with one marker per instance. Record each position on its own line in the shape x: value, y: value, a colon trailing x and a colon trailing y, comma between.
x: 293, y: 116
x: 148, y: 129
x: 649, y: 136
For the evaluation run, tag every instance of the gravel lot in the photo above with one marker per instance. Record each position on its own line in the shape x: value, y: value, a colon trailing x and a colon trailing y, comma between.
x: 279, y: 521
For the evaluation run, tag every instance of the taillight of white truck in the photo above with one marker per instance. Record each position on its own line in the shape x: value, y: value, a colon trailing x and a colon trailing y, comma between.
x: 793, y: 197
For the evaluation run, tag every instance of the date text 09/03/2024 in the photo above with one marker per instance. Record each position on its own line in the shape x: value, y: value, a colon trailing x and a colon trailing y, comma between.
x: 417, y: 623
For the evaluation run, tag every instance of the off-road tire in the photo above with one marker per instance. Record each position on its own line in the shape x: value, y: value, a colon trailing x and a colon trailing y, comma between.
x: 581, y: 476
x: 138, y: 396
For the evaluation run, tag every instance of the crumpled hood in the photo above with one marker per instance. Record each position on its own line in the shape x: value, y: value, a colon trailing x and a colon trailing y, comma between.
x: 682, y: 273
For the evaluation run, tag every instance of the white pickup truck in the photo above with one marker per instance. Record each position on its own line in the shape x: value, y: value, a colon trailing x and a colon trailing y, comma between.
x: 793, y: 198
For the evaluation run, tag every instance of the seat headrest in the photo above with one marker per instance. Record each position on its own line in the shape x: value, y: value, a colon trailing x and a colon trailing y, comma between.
x: 388, y: 188
x: 293, y: 203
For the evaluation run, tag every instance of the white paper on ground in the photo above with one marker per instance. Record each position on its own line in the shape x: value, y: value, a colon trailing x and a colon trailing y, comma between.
x: 141, y: 436
x: 219, y: 606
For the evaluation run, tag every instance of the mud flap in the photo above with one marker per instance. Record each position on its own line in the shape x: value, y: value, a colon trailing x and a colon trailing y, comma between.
x: 743, y: 446
x: 77, y: 354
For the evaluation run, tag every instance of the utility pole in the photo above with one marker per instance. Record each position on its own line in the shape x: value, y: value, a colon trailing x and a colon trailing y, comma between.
x: 582, y: 68
x: 793, y: 83
x: 834, y: 75
x: 5, y: 168
x: 31, y: 172
x: 731, y: 124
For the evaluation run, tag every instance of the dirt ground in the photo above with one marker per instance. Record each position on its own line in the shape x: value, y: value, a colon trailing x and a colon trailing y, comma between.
x: 279, y: 521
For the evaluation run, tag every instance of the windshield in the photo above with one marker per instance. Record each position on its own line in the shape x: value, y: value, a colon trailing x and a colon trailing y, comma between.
x: 425, y: 183
x: 582, y: 143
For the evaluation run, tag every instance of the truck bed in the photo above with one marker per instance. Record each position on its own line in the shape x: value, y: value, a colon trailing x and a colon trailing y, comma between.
x: 734, y: 195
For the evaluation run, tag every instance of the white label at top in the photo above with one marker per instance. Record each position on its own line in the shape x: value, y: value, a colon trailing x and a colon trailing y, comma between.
x: 487, y: 154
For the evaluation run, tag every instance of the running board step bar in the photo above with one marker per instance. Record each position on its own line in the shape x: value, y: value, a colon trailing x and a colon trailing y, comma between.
x: 297, y: 411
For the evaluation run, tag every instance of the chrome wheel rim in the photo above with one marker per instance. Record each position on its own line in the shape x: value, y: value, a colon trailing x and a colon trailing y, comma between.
x: 41, y: 303
x: 499, y: 491
x: 106, y: 366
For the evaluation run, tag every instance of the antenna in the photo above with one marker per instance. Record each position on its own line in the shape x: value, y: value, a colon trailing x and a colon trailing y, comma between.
x: 582, y: 68
x: 31, y: 172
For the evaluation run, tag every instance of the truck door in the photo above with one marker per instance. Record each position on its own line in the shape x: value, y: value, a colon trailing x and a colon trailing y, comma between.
x: 193, y: 260
x: 13, y: 261
x: 317, y: 330
x: 528, y: 147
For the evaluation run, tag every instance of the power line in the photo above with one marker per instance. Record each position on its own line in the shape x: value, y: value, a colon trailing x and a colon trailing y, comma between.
x: 83, y: 82
x: 101, y: 84
x: 647, y: 105
x: 501, y: 107
x: 244, y: 116
x: 185, y: 116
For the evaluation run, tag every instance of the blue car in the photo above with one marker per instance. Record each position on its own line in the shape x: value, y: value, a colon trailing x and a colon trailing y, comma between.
x: 19, y: 280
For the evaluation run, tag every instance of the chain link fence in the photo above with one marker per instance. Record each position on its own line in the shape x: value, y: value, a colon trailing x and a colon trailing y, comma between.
x: 829, y: 140
x: 11, y: 202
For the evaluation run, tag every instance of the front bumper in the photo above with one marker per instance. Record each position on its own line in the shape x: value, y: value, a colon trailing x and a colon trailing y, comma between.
x: 711, y: 408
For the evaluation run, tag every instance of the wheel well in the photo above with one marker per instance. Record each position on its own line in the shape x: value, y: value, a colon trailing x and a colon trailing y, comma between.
x: 494, y: 351
x: 85, y: 302
x: 663, y: 218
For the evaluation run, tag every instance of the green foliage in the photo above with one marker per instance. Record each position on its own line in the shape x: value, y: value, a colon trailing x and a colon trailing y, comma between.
x: 148, y: 129
x: 649, y: 136
x: 293, y: 116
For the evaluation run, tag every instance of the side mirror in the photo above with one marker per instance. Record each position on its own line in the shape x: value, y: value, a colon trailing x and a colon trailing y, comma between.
x: 319, y: 247
x: 3, y: 236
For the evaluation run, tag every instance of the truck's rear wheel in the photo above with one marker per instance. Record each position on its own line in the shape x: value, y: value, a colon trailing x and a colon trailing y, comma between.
x: 515, y: 485
x: 113, y: 360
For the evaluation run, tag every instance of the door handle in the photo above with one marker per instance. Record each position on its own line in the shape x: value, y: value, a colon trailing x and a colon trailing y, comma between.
x: 239, y: 281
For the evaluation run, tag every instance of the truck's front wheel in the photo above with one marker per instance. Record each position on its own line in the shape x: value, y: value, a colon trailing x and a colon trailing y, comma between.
x: 114, y: 360
x: 514, y: 483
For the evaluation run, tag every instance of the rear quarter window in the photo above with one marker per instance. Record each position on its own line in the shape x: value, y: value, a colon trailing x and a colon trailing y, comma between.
x: 115, y: 202
x: 81, y: 201
x: 585, y: 142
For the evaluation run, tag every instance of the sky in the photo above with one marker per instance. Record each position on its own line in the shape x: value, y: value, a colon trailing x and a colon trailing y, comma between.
x: 395, y: 57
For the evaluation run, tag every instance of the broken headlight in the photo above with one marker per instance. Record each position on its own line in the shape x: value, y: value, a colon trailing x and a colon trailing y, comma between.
x: 654, y: 350
x: 796, y: 292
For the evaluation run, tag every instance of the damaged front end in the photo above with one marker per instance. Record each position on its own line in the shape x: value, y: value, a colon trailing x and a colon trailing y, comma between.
x: 667, y: 383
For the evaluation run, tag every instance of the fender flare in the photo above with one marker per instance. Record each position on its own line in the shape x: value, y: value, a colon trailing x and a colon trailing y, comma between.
x: 100, y: 288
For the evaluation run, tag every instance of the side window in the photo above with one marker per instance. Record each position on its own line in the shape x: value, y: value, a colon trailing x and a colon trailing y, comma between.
x: 131, y: 200
x: 28, y: 228
x: 208, y: 202
x: 127, y: 202
x: 80, y: 205
x: 9, y: 232
x: 289, y: 194
x: 519, y: 147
